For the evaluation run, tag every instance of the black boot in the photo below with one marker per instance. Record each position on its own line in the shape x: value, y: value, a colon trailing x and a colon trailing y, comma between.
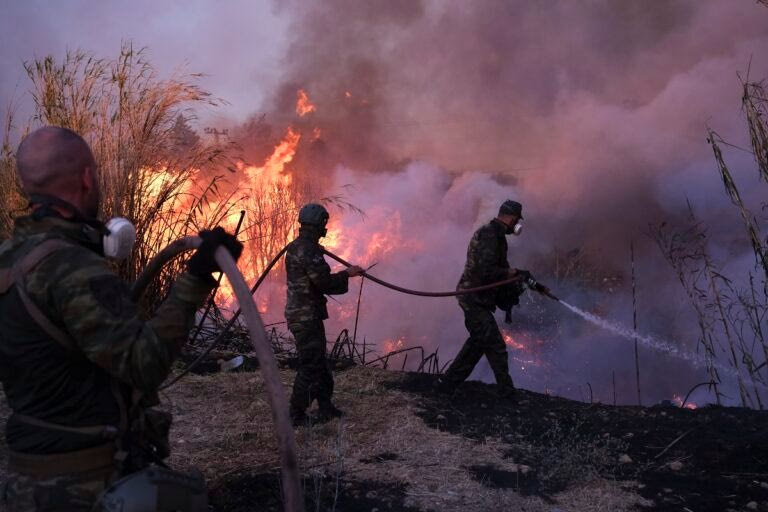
x: 506, y: 391
x: 444, y: 386
x: 327, y: 411
x: 299, y: 418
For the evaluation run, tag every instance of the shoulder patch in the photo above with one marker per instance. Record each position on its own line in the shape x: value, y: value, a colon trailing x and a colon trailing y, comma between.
x: 111, y: 292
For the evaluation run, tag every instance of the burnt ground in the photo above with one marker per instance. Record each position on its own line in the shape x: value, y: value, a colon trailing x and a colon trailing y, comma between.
x: 712, y: 458
x: 242, y: 492
x: 403, y: 447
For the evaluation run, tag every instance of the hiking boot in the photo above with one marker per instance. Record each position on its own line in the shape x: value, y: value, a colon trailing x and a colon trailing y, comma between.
x: 444, y: 387
x: 508, y: 391
x: 299, y: 418
x: 327, y: 412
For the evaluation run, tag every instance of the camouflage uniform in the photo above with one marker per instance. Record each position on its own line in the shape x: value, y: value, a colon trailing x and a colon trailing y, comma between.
x: 116, y: 355
x: 486, y: 264
x: 309, y: 279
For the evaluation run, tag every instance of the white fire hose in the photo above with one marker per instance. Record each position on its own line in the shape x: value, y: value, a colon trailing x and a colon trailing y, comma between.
x: 292, y: 496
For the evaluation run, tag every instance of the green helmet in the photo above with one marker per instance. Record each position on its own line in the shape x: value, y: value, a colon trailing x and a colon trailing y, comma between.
x: 314, y: 214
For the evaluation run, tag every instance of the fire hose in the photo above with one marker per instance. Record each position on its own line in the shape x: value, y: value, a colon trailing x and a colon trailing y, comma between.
x: 291, y: 484
x: 267, y: 361
x: 146, y: 277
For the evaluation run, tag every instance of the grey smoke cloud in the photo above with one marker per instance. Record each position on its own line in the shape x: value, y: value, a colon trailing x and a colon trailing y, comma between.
x: 594, y: 114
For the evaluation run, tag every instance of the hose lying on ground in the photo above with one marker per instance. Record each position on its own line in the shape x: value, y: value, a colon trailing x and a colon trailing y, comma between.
x: 291, y: 484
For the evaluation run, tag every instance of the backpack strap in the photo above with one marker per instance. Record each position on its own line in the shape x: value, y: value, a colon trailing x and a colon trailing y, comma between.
x: 16, y: 276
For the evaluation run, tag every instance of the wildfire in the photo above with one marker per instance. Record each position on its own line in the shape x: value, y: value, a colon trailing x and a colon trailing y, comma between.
x: 273, y: 170
x: 511, y: 342
x: 677, y: 400
x: 303, y: 105
x: 392, y: 345
x: 270, y: 194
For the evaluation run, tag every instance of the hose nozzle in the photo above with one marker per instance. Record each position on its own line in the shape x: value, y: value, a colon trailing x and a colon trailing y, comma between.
x: 537, y: 286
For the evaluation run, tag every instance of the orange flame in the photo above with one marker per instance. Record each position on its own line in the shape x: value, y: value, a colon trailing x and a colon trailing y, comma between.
x: 511, y: 342
x: 268, y: 179
x: 678, y: 400
x: 392, y: 345
x: 303, y: 105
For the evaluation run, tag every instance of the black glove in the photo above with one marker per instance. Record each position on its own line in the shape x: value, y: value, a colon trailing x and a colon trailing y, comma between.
x: 524, y: 275
x: 203, y: 263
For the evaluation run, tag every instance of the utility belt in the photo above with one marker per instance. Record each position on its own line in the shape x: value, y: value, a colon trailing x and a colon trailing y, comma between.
x: 97, y: 459
x: 105, y: 456
x: 145, y: 442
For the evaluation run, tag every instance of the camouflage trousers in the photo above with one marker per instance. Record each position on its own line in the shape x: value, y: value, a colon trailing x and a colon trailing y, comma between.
x: 484, y: 340
x: 69, y: 493
x: 314, y: 379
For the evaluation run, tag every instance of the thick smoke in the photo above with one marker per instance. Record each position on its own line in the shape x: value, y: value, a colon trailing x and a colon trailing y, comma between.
x: 593, y: 115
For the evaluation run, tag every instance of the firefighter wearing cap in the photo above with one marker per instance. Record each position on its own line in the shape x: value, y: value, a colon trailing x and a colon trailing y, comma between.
x: 486, y: 263
x: 309, y: 279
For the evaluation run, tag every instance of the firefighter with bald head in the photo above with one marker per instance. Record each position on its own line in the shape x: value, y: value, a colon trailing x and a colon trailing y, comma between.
x: 309, y: 280
x: 80, y: 363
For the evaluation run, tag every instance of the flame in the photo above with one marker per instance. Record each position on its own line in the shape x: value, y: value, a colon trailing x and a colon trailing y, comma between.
x: 303, y: 105
x: 270, y: 193
x: 347, y: 94
x: 678, y: 400
x: 393, y: 345
x: 273, y: 170
x: 510, y: 342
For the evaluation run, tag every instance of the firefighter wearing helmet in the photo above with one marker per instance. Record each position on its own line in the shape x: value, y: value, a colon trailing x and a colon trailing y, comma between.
x: 309, y: 280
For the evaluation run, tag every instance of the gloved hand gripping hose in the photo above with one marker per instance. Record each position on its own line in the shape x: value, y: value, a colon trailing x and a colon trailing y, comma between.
x: 292, y: 496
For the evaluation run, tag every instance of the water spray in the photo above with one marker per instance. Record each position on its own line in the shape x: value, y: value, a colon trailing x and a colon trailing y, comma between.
x: 652, y: 342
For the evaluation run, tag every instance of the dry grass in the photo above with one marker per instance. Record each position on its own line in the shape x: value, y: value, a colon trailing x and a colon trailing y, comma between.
x: 223, y: 426
x: 153, y: 170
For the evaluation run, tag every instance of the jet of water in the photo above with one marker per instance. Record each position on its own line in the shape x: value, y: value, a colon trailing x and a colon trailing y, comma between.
x: 651, y: 342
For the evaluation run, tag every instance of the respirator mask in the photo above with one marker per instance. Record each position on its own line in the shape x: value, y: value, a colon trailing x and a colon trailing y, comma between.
x: 516, y: 229
x: 119, y: 240
x: 114, y: 240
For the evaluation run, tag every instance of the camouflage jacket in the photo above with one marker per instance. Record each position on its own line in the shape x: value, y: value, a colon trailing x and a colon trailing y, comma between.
x: 486, y: 263
x: 79, y: 293
x: 310, y: 279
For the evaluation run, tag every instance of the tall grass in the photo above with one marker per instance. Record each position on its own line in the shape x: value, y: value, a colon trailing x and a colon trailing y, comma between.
x: 732, y: 311
x: 131, y: 119
x: 11, y: 199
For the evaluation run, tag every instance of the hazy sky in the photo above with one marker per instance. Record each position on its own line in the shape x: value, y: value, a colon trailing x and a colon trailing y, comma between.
x: 238, y: 43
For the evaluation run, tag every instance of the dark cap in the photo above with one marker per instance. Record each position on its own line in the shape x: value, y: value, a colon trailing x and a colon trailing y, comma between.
x: 510, y: 207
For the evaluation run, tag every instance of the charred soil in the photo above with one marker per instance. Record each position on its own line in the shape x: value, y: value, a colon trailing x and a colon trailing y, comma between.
x: 402, y: 446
